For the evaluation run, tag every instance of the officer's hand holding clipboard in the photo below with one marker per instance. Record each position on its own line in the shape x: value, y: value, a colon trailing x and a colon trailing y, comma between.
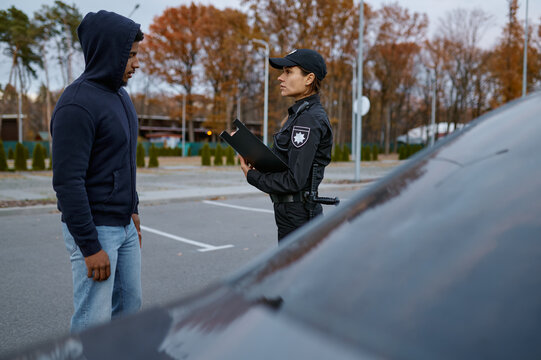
x: 254, y: 153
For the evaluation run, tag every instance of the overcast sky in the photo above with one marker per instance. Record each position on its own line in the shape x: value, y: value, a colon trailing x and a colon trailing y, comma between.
x: 148, y: 9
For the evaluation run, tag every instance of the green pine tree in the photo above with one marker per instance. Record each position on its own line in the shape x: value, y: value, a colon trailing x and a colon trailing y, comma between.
x: 409, y: 150
x: 363, y: 153
x: 218, y: 155
x: 140, y: 155
x: 375, y: 152
x: 401, y: 152
x: 345, y: 153
x: 44, y: 151
x: 205, y: 155
x: 26, y: 152
x: 337, y: 153
x: 38, y: 162
x: 3, y: 160
x: 20, y: 159
x: 229, y: 156
x: 153, y: 157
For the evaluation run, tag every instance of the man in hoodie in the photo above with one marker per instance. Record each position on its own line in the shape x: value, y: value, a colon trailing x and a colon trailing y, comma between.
x: 94, y: 132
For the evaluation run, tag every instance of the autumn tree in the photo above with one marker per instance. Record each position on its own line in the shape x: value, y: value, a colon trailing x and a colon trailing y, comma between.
x: 284, y: 25
x: 226, y: 43
x: 507, y: 60
x: 174, y: 47
x: 335, y: 26
x: 461, y: 72
x: 327, y: 26
x: 392, y: 58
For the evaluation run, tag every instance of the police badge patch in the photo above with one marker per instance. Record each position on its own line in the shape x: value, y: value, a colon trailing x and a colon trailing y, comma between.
x: 299, y: 135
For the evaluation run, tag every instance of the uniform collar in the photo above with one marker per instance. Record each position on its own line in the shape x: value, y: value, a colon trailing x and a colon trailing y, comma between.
x: 310, y: 99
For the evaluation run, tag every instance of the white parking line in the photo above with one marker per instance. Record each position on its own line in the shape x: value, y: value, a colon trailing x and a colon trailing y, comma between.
x: 205, y: 247
x: 238, y: 207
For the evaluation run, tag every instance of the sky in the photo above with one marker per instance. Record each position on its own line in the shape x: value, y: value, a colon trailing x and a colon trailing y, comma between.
x: 148, y: 9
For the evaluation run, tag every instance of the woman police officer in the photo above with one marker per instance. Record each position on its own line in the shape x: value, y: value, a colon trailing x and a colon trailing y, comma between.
x: 304, y: 143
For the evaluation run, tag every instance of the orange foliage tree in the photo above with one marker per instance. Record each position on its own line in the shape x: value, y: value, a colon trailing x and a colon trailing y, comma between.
x: 327, y: 26
x: 201, y: 49
x: 393, y: 61
x: 174, y: 47
x: 507, y: 60
x: 227, y: 63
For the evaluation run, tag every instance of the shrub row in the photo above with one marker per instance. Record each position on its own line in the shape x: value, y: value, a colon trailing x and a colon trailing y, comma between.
x: 407, y: 150
x: 219, y: 154
x: 20, y: 155
x: 342, y: 153
x: 152, y: 156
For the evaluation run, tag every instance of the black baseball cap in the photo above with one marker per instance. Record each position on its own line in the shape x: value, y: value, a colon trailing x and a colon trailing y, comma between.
x: 305, y: 58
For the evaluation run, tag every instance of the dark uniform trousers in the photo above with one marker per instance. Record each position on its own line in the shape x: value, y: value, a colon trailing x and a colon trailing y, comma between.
x: 290, y: 216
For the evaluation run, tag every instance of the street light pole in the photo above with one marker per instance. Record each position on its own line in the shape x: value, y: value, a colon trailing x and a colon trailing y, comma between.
x: 433, y: 115
x: 353, y: 116
x: 525, y: 63
x: 134, y: 8
x: 359, y: 95
x: 184, y: 125
x: 20, y: 115
x: 266, y: 106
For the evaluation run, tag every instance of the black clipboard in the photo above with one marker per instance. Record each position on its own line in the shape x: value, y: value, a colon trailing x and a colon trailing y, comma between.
x: 253, y: 150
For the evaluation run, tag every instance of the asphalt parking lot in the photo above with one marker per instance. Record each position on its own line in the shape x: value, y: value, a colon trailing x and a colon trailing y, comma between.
x: 188, y: 242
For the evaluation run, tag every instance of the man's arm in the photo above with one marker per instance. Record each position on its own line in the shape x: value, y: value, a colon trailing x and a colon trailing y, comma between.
x: 72, y: 132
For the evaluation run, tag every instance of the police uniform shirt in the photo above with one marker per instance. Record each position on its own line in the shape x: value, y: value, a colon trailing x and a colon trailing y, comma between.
x: 305, y: 138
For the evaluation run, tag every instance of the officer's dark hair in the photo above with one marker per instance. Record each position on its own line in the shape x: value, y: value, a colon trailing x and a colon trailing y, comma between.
x: 139, y: 36
x: 315, y: 86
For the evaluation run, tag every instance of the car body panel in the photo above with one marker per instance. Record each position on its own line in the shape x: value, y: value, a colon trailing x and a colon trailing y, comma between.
x: 439, y: 259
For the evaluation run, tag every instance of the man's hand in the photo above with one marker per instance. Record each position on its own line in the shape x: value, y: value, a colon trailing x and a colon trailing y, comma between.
x: 137, y: 223
x: 244, y: 166
x: 98, y: 266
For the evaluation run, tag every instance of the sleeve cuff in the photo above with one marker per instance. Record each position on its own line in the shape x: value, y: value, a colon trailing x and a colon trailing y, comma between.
x: 251, y: 177
x: 90, y: 248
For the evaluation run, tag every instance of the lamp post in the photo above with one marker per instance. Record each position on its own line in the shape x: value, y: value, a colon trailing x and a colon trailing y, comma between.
x: 433, y: 115
x: 184, y: 125
x: 525, y: 63
x: 20, y: 115
x: 266, y: 106
x: 353, y: 115
x: 359, y: 95
x: 134, y: 8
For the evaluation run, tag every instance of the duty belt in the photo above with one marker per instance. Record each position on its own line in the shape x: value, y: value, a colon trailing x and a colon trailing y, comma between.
x: 287, y: 198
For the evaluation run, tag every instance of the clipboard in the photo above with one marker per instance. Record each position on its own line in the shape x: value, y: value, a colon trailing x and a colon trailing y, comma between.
x: 253, y: 150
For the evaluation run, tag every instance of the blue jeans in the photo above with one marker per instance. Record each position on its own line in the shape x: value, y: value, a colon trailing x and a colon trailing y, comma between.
x: 98, y: 302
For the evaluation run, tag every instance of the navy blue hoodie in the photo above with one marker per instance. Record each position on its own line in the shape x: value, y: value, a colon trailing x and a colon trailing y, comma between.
x: 94, y: 132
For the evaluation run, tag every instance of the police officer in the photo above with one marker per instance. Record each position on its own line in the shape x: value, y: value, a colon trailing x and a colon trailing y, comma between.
x: 304, y: 143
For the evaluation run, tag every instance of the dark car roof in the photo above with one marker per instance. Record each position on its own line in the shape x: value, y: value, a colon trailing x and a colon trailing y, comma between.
x: 440, y: 259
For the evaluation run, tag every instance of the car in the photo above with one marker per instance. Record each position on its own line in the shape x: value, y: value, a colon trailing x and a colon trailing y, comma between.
x: 440, y: 259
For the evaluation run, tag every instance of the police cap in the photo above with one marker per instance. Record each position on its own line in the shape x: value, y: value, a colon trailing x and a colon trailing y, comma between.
x: 305, y: 58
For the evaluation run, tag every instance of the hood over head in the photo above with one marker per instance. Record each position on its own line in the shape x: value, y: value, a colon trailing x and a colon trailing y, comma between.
x: 106, y: 39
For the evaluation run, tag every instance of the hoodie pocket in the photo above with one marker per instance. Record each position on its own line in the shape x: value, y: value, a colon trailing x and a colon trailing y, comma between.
x: 116, y: 179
